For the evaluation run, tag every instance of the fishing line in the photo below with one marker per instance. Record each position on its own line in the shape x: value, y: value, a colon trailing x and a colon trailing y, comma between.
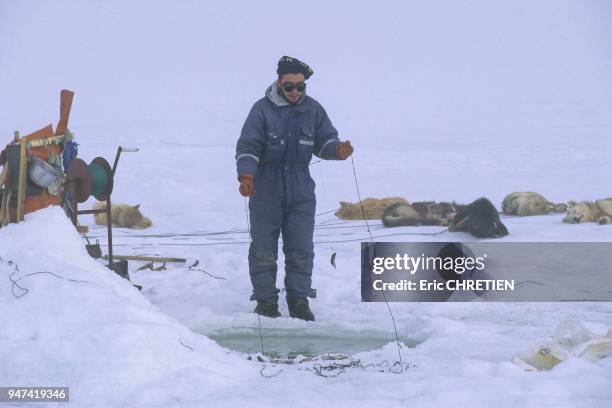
x: 326, y: 212
x: 331, y: 365
x: 143, y: 244
x: 126, y: 234
x: 260, y: 335
x: 246, y: 210
x: 363, y: 212
x: 184, y: 345
x: 333, y: 250
x: 25, y: 291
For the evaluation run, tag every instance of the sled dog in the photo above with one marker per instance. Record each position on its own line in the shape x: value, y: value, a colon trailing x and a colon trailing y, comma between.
x: 374, y: 208
x: 530, y: 203
x: 122, y: 215
x: 480, y: 219
x: 419, y: 213
x: 599, y: 211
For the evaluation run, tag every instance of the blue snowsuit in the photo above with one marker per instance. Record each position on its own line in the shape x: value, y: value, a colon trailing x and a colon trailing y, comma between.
x: 276, y: 145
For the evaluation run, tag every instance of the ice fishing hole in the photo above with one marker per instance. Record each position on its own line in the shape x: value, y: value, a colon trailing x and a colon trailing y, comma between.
x: 289, y: 343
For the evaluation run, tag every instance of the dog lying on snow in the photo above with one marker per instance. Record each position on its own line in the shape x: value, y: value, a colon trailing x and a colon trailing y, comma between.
x: 374, y: 208
x: 419, y: 213
x: 599, y: 211
x: 122, y: 215
x: 530, y: 203
x: 479, y: 218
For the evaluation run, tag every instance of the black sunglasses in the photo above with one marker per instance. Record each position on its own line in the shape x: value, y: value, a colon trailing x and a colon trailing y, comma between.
x: 290, y: 86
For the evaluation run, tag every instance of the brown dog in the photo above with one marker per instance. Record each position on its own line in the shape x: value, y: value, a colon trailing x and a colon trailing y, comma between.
x: 530, y: 203
x: 373, y: 207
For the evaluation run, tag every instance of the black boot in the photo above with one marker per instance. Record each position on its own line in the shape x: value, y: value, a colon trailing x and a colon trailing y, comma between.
x: 267, y: 307
x: 299, y: 308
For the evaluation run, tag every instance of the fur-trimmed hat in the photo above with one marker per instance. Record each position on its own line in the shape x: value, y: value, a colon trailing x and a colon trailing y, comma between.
x: 289, y: 65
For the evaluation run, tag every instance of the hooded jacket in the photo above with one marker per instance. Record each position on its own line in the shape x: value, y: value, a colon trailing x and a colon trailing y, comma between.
x: 278, y: 133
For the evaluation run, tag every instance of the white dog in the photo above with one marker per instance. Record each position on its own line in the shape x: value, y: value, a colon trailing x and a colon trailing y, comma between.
x: 122, y: 215
x: 599, y: 211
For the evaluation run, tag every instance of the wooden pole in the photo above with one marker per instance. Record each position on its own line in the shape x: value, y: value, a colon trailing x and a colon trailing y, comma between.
x: 23, y: 165
x: 65, y: 106
x: 147, y: 258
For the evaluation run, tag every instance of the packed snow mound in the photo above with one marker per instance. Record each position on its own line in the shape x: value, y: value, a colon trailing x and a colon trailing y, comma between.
x: 75, y: 323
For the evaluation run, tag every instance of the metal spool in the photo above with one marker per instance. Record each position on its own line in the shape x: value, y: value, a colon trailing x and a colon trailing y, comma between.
x: 102, y: 178
x: 95, y: 179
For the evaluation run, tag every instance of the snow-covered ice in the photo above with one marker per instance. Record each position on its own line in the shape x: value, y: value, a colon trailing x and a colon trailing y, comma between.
x: 442, y: 100
x: 70, y: 321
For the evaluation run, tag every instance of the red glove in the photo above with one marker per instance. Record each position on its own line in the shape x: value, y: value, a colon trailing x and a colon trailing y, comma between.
x: 344, y: 150
x: 247, y: 184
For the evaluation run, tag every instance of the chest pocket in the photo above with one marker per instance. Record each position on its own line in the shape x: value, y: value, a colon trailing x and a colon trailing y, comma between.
x: 275, y: 148
x: 305, y: 146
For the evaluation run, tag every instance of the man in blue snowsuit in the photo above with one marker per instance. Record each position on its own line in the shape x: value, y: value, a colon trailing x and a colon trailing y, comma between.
x: 277, y: 141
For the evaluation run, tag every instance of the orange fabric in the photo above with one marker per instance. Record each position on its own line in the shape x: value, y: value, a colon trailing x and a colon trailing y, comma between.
x: 42, y: 152
x: 33, y: 203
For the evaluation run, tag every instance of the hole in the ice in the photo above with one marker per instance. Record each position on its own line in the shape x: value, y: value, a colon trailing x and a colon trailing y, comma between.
x: 285, y: 343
